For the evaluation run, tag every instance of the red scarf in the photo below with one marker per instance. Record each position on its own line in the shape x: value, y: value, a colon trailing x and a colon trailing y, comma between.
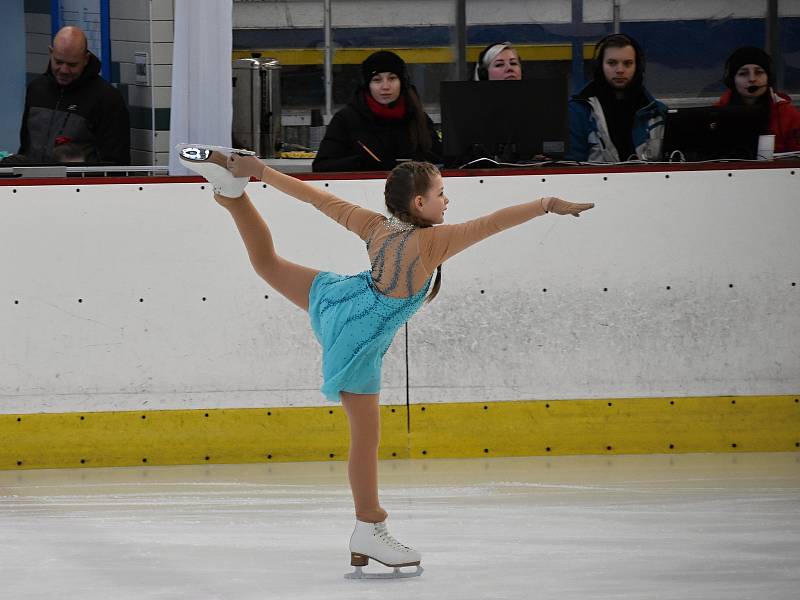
x: 393, y: 113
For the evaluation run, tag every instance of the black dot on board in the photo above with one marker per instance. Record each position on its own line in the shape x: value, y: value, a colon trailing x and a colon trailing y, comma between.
x: 144, y: 460
x: 264, y: 185
x: 205, y: 415
x: 144, y: 416
x: 394, y: 453
x: 481, y: 181
x: 330, y: 455
x: 82, y: 418
x: 330, y: 412
x: 14, y: 191
x: 669, y: 287
x: 610, y: 404
x: 422, y: 408
x: 730, y: 285
x: 326, y: 185
x: 141, y: 188
x: 485, y: 407
x: 19, y: 419
x: 483, y: 291
x: 208, y: 458
x: 269, y: 456
x: 486, y: 451
x: 393, y: 410
x: 269, y: 414
x: 547, y: 449
x: 424, y: 452
x: 83, y: 461
x: 733, y: 445
x: 672, y: 446
x: 666, y: 176
x: 544, y: 290
x: 733, y: 401
x: 547, y: 406
x: 204, y: 298
x: 605, y: 289
x: 77, y: 189
x: 80, y: 300
x: 16, y: 301
x: 730, y: 174
x: 608, y: 447
x: 202, y: 187
x: 19, y: 463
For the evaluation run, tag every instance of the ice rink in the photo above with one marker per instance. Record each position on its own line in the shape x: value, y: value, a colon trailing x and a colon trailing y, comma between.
x: 698, y: 526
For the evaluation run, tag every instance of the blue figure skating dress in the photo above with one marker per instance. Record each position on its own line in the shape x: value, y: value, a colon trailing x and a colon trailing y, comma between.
x: 355, y: 324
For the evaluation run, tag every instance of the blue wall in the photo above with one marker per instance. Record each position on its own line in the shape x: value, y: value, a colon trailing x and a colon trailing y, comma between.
x: 12, y: 99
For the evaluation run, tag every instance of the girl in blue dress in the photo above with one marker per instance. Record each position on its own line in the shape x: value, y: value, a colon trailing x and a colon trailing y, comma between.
x: 355, y: 317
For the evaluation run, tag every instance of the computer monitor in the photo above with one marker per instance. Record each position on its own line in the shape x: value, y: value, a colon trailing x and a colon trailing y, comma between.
x: 712, y: 133
x: 508, y: 121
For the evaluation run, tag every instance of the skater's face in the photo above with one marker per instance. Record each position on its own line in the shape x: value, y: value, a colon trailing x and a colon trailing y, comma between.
x: 619, y: 66
x: 430, y: 206
x: 385, y: 87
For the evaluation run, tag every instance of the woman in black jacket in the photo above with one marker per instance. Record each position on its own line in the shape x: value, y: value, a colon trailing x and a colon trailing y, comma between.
x: 384, y: 122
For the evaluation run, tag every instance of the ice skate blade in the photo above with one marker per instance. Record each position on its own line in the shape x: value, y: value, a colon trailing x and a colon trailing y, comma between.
x: 201, y: 152
x: 358, y: 573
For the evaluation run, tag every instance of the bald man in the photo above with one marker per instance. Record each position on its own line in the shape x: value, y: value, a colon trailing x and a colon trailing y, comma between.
x: 71, y: 106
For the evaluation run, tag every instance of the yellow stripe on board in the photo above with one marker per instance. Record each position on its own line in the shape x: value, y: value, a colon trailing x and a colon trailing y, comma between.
x: 524, y: 428
x: 432, y: 55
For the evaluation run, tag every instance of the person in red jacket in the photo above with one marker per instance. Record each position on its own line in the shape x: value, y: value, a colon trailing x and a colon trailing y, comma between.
x: 750, y: 82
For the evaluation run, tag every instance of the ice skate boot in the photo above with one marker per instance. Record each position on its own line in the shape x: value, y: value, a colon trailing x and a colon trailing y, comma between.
x: 210, y: 162
x: 373, y: 540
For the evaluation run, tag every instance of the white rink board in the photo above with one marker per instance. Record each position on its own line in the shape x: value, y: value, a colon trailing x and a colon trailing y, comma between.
x: 169, y: 245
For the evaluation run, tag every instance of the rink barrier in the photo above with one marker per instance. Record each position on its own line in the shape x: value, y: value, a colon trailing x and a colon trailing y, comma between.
x: 450, y: 430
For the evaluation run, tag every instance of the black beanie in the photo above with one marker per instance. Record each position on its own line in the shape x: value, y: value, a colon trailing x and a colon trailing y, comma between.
x: 747, y: 55
x: 383, y: 61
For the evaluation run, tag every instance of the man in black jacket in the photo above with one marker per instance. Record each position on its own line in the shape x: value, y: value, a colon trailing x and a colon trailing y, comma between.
x: 71, y: 113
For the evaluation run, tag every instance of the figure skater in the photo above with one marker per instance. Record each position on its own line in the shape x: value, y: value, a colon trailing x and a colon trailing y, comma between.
x: 355, y: 317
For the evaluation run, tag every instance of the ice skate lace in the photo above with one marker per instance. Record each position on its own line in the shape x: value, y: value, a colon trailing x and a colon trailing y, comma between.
x: 386, y: 538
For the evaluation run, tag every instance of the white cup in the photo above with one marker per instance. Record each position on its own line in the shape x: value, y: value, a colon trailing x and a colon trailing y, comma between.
x: 766, y: 147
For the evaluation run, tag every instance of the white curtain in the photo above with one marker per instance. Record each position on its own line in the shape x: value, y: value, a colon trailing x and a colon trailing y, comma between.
x: 201, y: 76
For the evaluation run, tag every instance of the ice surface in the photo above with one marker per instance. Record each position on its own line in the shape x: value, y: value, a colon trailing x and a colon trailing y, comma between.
x: 637, y: 527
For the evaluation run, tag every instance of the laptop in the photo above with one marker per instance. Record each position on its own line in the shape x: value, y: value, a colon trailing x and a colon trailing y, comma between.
x: 712, y: 133
x: 505, y: 121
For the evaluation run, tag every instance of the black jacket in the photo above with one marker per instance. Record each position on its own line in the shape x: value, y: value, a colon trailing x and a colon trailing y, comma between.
x: 387, y: 139
x: 89, y: 115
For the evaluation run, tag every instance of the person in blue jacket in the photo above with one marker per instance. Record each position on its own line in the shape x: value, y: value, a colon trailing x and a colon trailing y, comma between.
x: 614, y: 118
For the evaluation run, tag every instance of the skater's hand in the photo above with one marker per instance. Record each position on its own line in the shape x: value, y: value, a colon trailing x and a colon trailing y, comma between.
x: 562, y: 207
x: 245, y: 166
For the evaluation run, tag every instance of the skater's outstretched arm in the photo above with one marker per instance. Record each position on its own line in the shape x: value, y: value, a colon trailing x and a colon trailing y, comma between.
x: 439, y: 243
x: 357, y: 219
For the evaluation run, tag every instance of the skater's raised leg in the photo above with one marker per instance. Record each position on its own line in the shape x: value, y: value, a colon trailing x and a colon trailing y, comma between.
x: 289, y: 279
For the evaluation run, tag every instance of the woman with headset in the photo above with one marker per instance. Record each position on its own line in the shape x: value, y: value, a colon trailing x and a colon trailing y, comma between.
x: 614, y: 118
x: 498, y: 62
x: 750, y: 81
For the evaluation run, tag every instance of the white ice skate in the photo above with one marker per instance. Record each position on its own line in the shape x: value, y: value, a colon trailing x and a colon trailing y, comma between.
x: 373, y: 540
x: 210, y: 162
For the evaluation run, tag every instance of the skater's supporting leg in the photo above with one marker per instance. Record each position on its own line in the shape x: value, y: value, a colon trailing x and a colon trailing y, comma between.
x: 289, y: 279
x: 363, y: 413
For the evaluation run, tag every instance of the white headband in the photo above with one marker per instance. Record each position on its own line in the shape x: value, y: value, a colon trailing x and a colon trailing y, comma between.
x: 489, y: 56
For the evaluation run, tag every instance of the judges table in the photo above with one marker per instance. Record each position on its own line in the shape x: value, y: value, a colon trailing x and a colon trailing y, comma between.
x: 679, y: 290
